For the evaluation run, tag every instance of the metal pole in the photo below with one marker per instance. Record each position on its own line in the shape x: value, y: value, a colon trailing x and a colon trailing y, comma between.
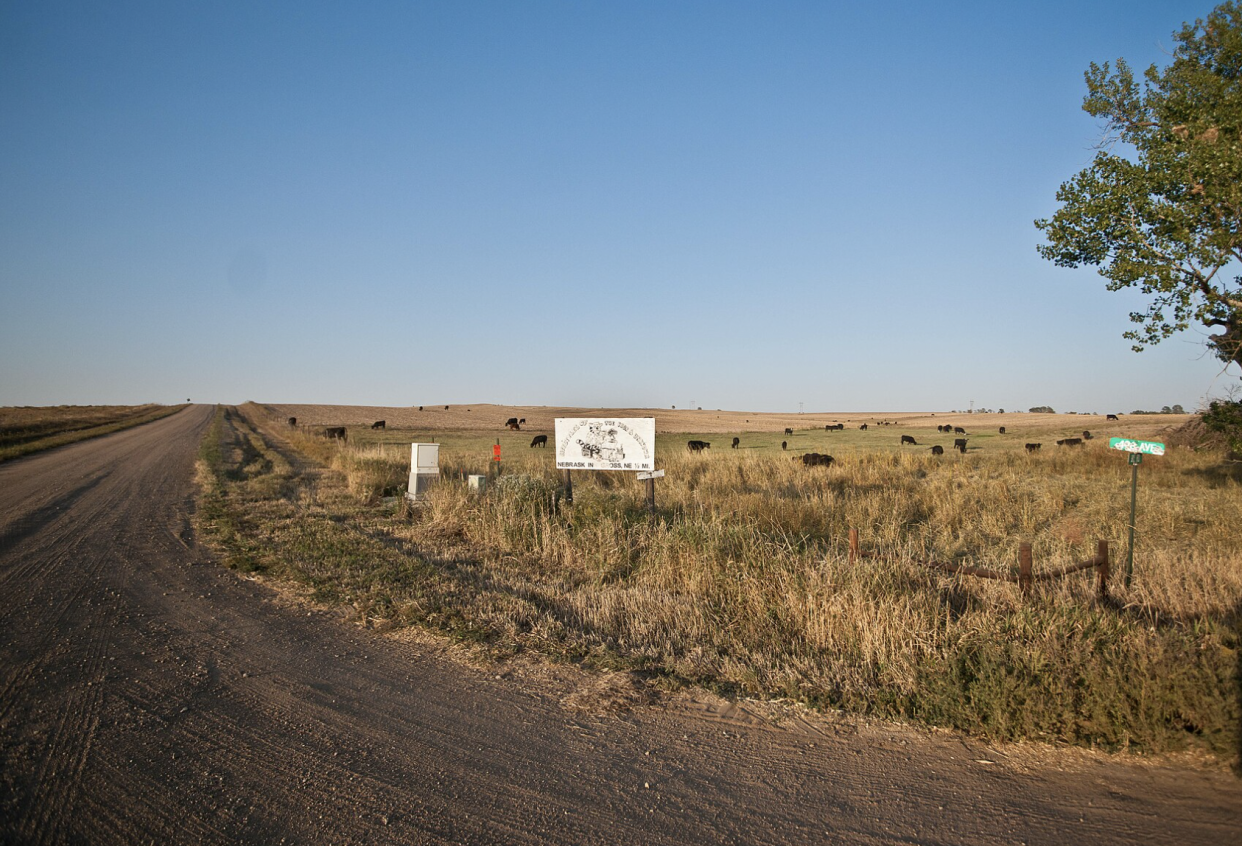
x: 651, y: 497
x: 1133, y: 505
x: 569, y: 487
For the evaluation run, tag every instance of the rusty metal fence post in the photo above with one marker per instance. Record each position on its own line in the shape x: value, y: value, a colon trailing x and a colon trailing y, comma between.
x: 1024, y: 568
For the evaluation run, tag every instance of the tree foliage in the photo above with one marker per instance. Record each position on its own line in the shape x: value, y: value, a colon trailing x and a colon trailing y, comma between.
x: 1165, y: 216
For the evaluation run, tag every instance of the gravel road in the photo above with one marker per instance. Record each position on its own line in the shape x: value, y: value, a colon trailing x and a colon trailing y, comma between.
x: 148, y: 695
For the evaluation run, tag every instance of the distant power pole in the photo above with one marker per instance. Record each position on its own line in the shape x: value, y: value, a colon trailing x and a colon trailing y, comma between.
x: 972, y: 407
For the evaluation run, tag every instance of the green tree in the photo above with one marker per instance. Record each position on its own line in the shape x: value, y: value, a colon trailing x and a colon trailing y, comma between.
x: 1160, y: 206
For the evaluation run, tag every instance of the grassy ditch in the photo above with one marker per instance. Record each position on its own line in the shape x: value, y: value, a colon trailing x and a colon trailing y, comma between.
x: 25, y: 430
x: 742, y: 583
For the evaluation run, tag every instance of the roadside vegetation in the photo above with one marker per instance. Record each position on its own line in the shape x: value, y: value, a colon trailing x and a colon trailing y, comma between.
x: 28, y: 429
x: 742, y: 582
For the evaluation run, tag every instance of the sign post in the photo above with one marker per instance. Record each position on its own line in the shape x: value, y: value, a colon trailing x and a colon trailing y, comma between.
x: 650, y: 478
x: 1137, y: 450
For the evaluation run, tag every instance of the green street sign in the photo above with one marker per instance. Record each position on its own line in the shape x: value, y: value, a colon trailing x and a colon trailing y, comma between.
x: 1136, y: 458
x: 1140, y: 447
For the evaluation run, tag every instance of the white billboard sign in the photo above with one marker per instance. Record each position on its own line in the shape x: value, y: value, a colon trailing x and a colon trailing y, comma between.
x: 596, y: 443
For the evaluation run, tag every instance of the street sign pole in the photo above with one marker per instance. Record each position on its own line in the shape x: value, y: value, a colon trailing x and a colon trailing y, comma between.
x: 1137, y: 449
x: 1136, y: 458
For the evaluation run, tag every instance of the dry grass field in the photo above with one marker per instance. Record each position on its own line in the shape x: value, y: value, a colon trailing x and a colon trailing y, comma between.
x: 491, y: 418
x: 742, y: 581
x: 29, y: 429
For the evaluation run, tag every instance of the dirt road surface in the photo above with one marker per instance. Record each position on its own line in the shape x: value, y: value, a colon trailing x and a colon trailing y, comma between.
x: 148, y: 695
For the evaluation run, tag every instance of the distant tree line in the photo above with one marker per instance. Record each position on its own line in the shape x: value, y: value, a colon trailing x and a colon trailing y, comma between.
x: 1176, y: 409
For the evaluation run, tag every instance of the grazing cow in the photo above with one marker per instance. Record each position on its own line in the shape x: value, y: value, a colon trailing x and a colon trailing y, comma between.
x: 736, y: 441
x: 420, y: 408
x: 958, y: 430
x: 906, y: 439
x: 1033, y: 447
x: 788, y: 431
x: 960, y: 444
x: 511, y: 421
x: 539, y: 441
x: 937, y: 450
x: 815, y: 459
x: 335, y: 433
x: 379, y: 424
x: 1111, y: 417
x: 784, y: 444
x: 293, y: 421
x: 945, y: 429
x: 863, y: 427
x: 1070, y: 442
x: 446, y: 408
x: 697, y: 446
x: 1002, y: 430
x: 1086, y: 436
x: 523, y: 421
x: 835, y: 427
x: 514, y: 425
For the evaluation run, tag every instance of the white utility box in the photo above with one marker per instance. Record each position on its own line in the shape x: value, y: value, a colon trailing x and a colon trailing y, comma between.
x: 424, y: 469
x: 476, y: 483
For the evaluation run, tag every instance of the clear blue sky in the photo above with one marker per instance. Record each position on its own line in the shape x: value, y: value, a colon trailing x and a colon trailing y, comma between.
x: 747, y: 205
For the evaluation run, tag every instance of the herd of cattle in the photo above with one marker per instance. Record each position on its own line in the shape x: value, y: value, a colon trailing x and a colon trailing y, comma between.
x: 815, y: 459
x: 810, y: 459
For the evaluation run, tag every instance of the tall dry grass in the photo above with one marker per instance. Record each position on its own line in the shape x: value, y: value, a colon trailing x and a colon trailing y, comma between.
x: 742, y: 581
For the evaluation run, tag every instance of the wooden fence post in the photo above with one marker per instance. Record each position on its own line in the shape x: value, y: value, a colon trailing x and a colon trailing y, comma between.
x: 853, y: 545
x: 1024, y: 568
x: 1102, y: 568
x: 569, y: 487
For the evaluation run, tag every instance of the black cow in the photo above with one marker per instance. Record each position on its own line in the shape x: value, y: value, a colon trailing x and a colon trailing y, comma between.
x: 697, y: 446
x: 379, y: 424
x: 784, y: 445
x: 944, y: 428
x: 736, y: 441
x: 1070, y: 442
x: 907, y: 439
x: 512, y: 421
x: 1002, y: 430
x: 1033, y: 447
x: 1111, y: 417
x: 937, y: 450
x: 960, y: 444
x: 335, y: 433
x: 293, y: 421
x: 420, y: 408
x: 1086, y: 436
x: 958, y: 430
x: 539, y: 441
x: 446, y: 408
x: 523, y: 421
x: 863, y: 427
x: 815, y: 459
x: 837, y: 427
x: 788, y: 431
x: 515, y: 426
